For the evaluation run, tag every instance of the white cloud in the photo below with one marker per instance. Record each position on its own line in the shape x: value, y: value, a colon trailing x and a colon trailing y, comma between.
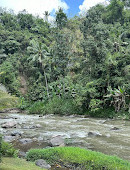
x: 35, y: 7
x: 87, y: 4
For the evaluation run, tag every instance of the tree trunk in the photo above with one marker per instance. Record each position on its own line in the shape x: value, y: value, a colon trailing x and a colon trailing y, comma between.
x: 46, y: 82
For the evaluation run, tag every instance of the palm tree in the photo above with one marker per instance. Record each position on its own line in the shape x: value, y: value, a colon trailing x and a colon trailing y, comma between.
x: 39, y: 53
x: 46, y: 14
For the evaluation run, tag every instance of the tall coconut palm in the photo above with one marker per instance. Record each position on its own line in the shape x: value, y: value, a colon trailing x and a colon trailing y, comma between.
x: 46, y: 14
x: 39, y: 53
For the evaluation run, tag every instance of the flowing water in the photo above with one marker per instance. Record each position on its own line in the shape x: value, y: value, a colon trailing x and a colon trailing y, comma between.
x: 108, y: 136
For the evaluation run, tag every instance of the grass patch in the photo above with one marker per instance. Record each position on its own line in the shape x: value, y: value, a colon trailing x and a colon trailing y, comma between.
x: 17, y: 164
x: 7, y: 101
x: 74, y: 155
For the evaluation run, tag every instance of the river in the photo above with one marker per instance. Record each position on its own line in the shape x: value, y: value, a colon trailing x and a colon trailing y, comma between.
x: 108, y: 136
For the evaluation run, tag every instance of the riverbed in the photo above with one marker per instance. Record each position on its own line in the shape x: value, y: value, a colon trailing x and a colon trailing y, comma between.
x: 108, y: 136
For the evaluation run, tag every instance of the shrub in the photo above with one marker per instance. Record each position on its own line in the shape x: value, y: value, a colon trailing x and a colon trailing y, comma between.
x: 77, y: 156
x: 55, y: 105
x: 36, y: 108
x: 7, y: 101
x: 108, y: 113
x: 8, y: 150
x: 61, y: 106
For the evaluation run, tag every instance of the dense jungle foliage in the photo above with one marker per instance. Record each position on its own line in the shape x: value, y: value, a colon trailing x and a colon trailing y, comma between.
x: 78, y: 65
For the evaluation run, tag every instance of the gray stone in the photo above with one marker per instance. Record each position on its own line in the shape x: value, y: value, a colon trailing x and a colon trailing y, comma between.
x: 40, y: 138
x: 57, y: 141
x: 25, y: 141
x: 42, y: 163
x: 16, y: 133
x: 38, y: 126
x: 9, y: 138
x: 91, y: 134
x: 11, y: 124
x: 32, y: 126
x: 21, y: 154
x: 115, y: 128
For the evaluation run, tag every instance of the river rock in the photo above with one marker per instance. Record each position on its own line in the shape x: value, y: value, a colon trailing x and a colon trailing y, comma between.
x: 11, y: 124
x: 115, y: 128
x: 57, y: 141
x: 8, y: 138
x: 91, y: 134
x: 16, y: 133
x: 32, y: 126
x: 21, y: 154
x: 25, y: 141
x: 42, y: 163
x: 102, y: 121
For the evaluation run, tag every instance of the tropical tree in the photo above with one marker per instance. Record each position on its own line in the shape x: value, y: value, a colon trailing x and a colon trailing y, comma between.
x: 117, y: 98
x: 39, y: 53
x: 61, y: 18
x: 46, y: 14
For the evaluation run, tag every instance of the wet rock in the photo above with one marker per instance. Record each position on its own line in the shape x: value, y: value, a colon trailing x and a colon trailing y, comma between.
x: 40, y: 139
x: 16, y: 133
x: 21, y: 154
x: 25, y: 141
x: 57, y: 141
x: 38, y: 126
x: 115, y: 128
x: 4, y: 117
x: 42, y: 163
x: 102, y: 121
x: 8, y: 138
x: 11, y: 124
x: 92, y: 134
x: 108, y: 135
x: 32, y: 126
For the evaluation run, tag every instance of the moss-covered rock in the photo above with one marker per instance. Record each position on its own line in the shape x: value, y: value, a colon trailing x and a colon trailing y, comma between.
x: 7, y: 101
x: 75, y: 156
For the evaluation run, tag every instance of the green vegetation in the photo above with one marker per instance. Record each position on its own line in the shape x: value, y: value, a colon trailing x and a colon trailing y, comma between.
x: 79, y: 157
x: 7, y: 150
x: 80, y: 65
x: 17, y: 164
x: 55, y: 106
x: 7, y: 101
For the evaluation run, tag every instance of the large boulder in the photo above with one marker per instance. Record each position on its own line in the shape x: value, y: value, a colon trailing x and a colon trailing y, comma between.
x: 11, y: 124
x: 42, y: 163
x: 57, y: 141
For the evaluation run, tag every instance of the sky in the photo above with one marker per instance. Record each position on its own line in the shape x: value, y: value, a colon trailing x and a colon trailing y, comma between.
x: 38, y: 7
